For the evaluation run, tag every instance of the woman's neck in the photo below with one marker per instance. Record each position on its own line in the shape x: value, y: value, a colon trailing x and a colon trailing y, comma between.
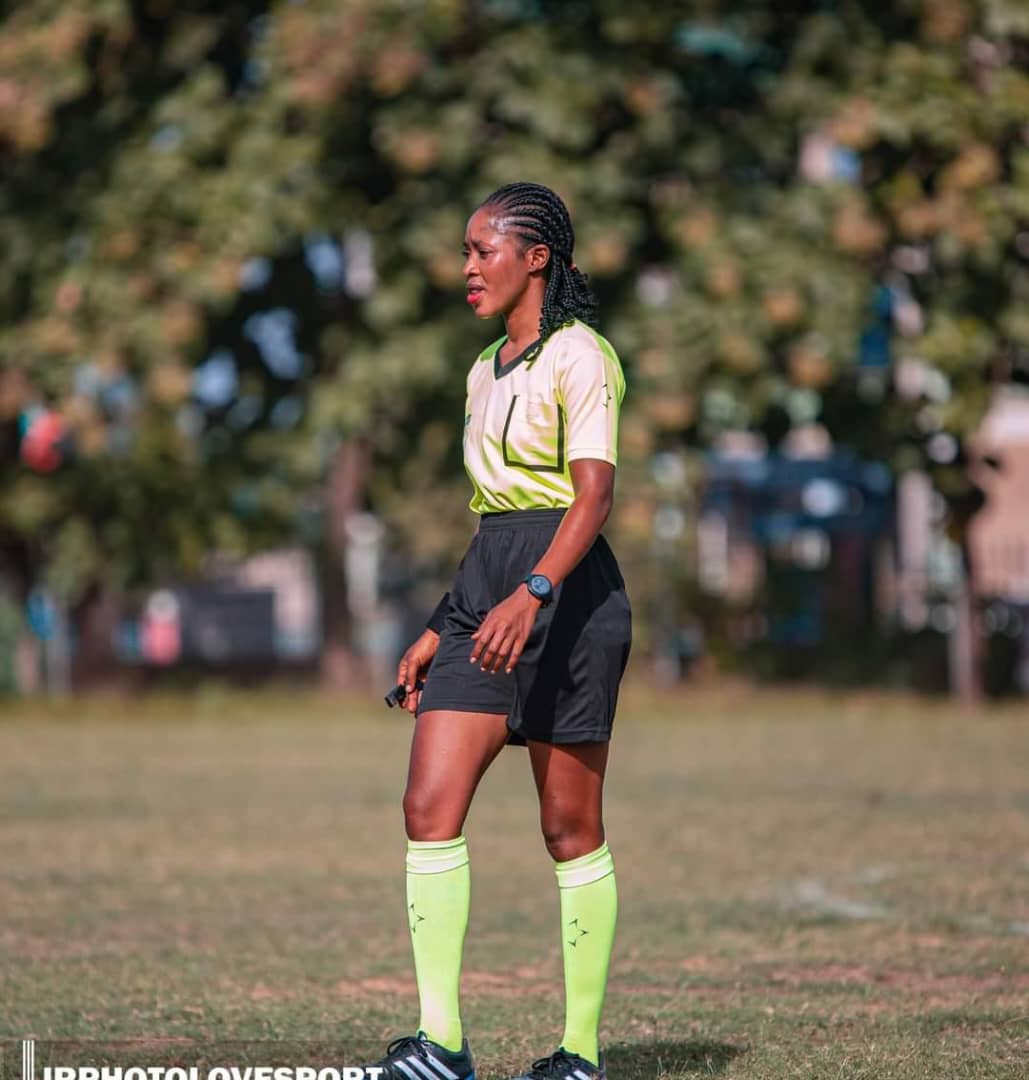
x: 523, y: 326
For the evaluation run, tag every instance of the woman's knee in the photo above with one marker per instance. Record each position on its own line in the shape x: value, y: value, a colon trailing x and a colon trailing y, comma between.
x: 427, y: 817
x: 571, y: 835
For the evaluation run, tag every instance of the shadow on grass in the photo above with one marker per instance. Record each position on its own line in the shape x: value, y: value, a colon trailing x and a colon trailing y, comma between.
x: 649, y: 1060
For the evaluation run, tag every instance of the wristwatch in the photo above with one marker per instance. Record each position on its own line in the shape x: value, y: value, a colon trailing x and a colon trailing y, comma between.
x: 539, y: 586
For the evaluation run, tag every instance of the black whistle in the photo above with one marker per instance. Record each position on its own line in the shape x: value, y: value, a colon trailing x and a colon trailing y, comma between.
x: 397, y: 695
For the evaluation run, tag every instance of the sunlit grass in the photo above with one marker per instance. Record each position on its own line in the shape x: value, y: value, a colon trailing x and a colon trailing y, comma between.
x: 809, y: 885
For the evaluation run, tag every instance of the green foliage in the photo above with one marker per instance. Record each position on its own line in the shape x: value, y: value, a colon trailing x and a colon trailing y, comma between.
x: 150, y: 153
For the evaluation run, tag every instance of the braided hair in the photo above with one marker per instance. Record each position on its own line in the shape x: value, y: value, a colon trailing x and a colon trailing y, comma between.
x: 538, y: 216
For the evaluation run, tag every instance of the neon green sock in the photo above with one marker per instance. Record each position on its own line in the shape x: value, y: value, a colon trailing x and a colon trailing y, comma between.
x: 438, y: 896
x: 589, y: 909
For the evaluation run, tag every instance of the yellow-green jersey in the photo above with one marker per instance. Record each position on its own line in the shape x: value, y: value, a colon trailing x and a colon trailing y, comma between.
x: 525, y: 422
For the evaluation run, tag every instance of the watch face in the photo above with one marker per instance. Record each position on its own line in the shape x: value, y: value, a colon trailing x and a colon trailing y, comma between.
x: 539, y: 585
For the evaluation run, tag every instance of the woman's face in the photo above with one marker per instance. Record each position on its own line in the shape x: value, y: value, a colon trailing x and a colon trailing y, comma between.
x: 498, y: 266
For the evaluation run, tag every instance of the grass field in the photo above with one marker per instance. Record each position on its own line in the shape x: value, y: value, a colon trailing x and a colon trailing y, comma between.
x: 810, y: 886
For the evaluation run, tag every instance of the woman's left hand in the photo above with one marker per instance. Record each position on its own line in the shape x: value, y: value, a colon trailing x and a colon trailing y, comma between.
x: 502, y: 636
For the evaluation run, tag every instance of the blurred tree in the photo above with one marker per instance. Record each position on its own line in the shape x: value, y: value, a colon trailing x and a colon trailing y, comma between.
x: 231, y: 241
x: 920, y: 111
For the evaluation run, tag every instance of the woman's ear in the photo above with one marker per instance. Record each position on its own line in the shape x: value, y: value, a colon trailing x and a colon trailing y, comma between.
x: 538, y: 257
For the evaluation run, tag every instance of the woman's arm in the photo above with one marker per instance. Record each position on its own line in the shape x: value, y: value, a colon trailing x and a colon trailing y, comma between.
x: 501, y: 637
x: 594, y: 484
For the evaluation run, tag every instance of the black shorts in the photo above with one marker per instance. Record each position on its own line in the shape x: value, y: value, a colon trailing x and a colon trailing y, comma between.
x: 564, y: 687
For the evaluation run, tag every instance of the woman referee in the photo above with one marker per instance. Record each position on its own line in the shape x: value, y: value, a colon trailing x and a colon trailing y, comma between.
x: 530, y: 644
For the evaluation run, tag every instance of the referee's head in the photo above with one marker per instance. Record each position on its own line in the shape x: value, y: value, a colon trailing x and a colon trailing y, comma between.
x: 537, y: 215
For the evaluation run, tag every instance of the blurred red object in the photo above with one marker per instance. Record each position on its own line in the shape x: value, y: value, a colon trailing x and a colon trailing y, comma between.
x: 162, y: 629
x: 42, y: 444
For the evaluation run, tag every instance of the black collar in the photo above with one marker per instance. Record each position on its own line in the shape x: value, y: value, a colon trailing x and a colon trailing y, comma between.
x: 499, y: 371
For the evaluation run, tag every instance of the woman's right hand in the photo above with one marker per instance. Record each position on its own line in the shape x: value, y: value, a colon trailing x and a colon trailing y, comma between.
x: 414, y: 665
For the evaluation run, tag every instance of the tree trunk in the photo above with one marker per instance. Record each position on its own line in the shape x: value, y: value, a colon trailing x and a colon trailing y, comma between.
x: 965, y: 643
x: 344, y: 494
x: 94, y: 665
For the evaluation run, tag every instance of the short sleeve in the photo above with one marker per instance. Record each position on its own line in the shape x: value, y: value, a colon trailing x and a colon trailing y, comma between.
x: 591, y: 387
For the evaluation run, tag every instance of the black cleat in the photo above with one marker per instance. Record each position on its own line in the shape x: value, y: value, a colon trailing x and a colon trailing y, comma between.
x: 417, y: 1057
x: 564, y: 1065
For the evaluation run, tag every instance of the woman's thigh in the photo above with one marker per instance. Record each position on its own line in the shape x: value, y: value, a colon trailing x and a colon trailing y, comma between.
x: 450, y: 752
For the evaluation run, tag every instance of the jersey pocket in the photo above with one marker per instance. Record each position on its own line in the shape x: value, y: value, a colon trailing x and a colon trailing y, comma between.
x: 534, y: 435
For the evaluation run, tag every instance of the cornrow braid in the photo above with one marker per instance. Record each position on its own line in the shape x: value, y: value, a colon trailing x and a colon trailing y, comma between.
x: 538, y: 216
